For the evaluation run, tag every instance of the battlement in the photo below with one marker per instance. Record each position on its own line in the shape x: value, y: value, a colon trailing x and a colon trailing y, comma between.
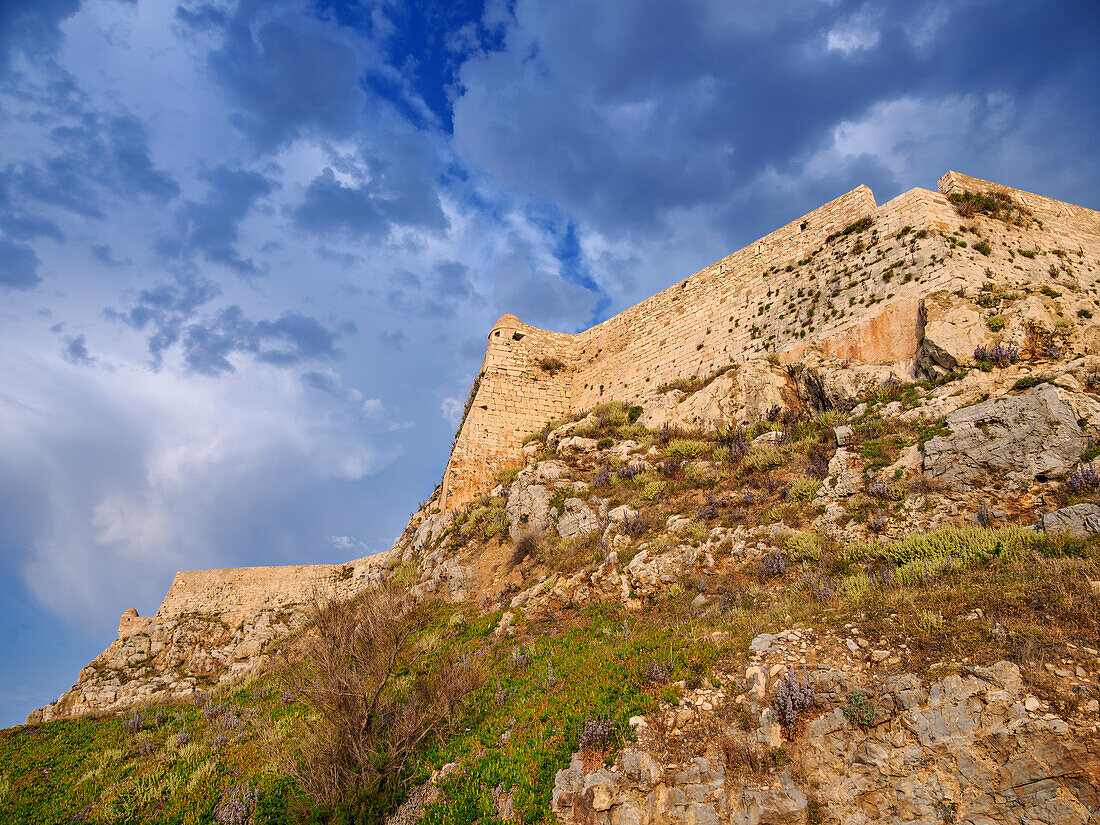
x: 840, y: 278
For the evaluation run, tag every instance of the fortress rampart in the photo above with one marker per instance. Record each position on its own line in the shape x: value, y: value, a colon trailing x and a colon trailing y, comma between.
x: 855, y: 295
x: 233, y: 593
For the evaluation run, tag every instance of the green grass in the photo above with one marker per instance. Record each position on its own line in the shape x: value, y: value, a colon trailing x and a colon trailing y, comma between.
x: 93, y: 770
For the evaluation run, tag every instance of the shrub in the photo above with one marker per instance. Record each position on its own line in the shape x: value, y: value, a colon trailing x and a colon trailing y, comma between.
x: 602, y: 476
x: 685, y: 448
x: 929, y: 621
x: 133, y: 723
x: 657, y: 672
x: 653, y: 490
x: 774, y: 565
x: 859, y: 710
x: 633, y: 414
x: 764, y: 457
x: 672, y: 467
x: 803, y: 547
x: 373, y: 695
x: 551, y: 365
x: 1084, y: 313
x: 879, y: 489
x: 995, y: 322
x: 604, y: 443
x: 712, y: 506
x: 597, y: 734
x: 1083, y: 478
x: 236, y: 805
x: 528, y: 544
x: 984, y: 248
x: 803, y: 489
x: 998, y: 355
x: 792, y: 697
x: 630, y: 471
x: 733, y: 441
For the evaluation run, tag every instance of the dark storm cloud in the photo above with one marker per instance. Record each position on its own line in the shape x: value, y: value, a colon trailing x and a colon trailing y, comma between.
x: 622, y: 113
x: 399, y: 191
x: 288, y: 74
x: 202, y: 16
x: 89, y: 156
x: 161, y: 312
x: 284, y: 342
x: 31, y: 28
x: 209, y: 228
x: 18, y: 265
x: 446, y: 288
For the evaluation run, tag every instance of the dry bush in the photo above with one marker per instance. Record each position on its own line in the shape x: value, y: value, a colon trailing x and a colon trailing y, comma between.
x: 745, y: 758
x: 375, y: 693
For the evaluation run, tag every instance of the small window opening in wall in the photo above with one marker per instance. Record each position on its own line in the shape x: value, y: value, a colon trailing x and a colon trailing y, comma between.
x: 802, y: 226
x: 497, y: 333
x: 517, y: 336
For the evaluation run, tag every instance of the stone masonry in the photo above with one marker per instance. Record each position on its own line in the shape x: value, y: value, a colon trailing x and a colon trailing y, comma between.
x: 856, y: 296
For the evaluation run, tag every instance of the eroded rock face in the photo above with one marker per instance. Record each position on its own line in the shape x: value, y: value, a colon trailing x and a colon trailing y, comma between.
x: 953, y: 327
x: 736, y: 397
x: 1078, y: 519
x: 963, y: 749
x: 171, y: 659
x: 1040, y: 434
x: 528, y: 506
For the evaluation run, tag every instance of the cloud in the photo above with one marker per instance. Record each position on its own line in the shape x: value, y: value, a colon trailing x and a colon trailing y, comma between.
x: 451, y: 410
x: 136, y: 474
x: 283, y: 342
x: 163, y: 310
x: 31, y: 29
x: 289, y: 74
x: 18, y: 266
x: 384, y: 190
x: 210, y: 228
x: 76, y: 350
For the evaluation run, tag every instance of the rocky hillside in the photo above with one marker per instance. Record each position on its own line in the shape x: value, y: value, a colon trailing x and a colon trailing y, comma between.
x: 791, y: 590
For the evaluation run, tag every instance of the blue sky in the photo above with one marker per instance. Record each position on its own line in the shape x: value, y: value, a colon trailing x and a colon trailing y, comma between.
x: 249, y: 252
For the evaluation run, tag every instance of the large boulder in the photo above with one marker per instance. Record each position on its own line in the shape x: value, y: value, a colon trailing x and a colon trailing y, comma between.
x: 528, y: 505
x: 577, y: 519
x: 953, y: 327
x: 1078, y: 520
x: 1040, y: 434
x: 739, y: 396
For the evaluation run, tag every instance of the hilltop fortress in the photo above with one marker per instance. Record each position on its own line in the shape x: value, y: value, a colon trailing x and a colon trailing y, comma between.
x: 823, y: 308
x: 839, y: 279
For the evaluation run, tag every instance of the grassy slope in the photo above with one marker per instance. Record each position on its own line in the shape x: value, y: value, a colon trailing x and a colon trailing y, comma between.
x: 570, y: 664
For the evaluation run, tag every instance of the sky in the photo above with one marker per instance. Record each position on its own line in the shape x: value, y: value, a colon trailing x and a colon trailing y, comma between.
x: 250, y: 251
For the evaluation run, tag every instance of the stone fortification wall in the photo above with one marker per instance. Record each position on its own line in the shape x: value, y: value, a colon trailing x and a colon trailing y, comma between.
x: 855, y: 295
x: 233, y: 593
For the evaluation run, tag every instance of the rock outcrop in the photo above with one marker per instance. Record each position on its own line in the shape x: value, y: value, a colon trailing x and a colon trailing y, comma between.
x: 974, y: 748
x: 1040, y: 434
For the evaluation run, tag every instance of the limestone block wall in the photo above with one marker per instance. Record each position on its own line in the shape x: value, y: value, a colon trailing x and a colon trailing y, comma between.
x: 236, y: 592
x: 855, y: 296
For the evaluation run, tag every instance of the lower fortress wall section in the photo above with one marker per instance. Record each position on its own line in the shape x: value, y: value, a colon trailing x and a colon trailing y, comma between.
x: 236, y: 592
x: 856, y: 296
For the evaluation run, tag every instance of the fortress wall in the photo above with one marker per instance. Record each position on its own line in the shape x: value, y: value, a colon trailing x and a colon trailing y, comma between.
x: 706, y: 321
x: 516, y: 395
x: 855, y: 297
x: 1075, y: 227
x: 236, y: 592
